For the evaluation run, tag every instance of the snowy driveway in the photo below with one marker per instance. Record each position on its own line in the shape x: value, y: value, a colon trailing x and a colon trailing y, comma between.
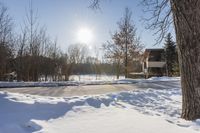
x: 81, y: 90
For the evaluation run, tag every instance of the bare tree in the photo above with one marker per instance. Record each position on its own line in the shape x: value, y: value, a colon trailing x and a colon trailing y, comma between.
x: 32, y: 26
x: 36, y: 42
x: 126, y: 44
x: 95, y: 4
x: 6, y: 45
x: 158, y: 17
x: 115, y: 55
x: 22, y: 50
x: 76, y: 54
x: 186, y: 17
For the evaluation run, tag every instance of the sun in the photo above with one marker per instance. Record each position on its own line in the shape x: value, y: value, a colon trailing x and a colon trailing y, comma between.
x: 85, y: 35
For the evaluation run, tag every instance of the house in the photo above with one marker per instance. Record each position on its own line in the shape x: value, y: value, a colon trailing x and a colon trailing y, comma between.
x: 154, y: 62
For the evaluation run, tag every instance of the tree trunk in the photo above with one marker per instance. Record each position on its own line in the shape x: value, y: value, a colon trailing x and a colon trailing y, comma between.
x: 66, y: 77
x: 118, y: 69
x: 186, y: 15
x: 45, y: 77
x: 126, y: 59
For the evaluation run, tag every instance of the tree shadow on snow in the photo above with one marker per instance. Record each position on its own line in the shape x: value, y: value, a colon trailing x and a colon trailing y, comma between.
x: 12, y: 113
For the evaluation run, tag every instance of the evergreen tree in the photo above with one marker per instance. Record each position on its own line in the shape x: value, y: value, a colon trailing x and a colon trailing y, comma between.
x: 170, y: 55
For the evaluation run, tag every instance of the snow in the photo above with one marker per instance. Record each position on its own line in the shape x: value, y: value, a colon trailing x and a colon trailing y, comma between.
x: 110, y: 120
x: 4, y: 84
x: 141, y: 110
x: 75, y: 80
x: 94, y: 77
x: 85, y: 80
x: 164, y: 78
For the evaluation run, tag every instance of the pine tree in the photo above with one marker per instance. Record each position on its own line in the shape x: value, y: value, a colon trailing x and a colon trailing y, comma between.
x: 170, y: 55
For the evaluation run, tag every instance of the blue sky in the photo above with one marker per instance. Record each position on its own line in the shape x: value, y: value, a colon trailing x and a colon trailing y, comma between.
x: 63, y: 18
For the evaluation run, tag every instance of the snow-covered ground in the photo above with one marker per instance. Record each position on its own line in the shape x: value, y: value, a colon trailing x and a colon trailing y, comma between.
x: 75, y: 80
x: 93, y: 77
x: 84, y: 80
x: 140, y: 111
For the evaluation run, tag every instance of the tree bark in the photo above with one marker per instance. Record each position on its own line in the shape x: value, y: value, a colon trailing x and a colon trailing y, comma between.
x: 186, y: 15
x: 118, y: 68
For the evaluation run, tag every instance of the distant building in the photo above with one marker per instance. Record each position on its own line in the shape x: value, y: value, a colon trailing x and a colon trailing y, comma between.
x: 154, y: 62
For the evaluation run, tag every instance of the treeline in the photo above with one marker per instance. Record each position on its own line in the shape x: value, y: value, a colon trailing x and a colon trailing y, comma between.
x: 91, y: 68
x: 30, y: 55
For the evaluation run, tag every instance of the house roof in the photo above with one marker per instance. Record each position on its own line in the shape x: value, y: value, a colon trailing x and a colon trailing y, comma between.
x: 155, y: 49
x: 148, y: 51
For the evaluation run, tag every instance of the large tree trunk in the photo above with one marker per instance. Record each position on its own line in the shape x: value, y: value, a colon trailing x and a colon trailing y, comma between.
x: 186, y: 15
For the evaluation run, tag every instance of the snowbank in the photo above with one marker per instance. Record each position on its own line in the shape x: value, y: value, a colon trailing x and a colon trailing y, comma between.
x: 164, y: 78
x: 94, y: 77
x: 84, y: 82
x: 36, y: 84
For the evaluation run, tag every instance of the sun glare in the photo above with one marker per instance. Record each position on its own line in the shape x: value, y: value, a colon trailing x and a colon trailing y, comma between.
x: 85, y: 35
